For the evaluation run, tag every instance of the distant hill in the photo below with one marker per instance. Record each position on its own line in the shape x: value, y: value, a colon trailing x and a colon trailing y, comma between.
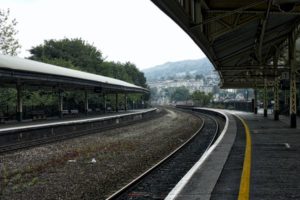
x: 179, y: 69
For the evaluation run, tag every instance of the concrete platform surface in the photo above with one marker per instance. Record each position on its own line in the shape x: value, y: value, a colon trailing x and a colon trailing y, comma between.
x: 47, y: 122
x: 275, y: 163
x: 275, y: 172
x: 203, y: 177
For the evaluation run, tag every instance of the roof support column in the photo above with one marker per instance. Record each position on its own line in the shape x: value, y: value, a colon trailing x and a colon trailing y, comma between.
x: 60, y: 103
x: 125, y: 100
x: 255, y: 101
x: 19, y: 103
x: 117, y: 103
x: 104, y: 102
x: 265, y: 99
x: 286, y: 98
x: 293, y: 88
x: 86, y: 102
x: 133, y: 107
x: 276, y: 99
x: 276, y: 88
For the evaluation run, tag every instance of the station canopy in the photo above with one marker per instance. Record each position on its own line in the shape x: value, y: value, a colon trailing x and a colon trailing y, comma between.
x: 15, y: 70
x: 239, y: 37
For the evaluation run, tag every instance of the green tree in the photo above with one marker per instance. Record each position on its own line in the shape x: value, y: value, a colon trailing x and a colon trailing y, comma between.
x: 137, y: 77
x: 9, y: 45
x: 199, y: 76
x: 78, y: 52
x: 201, y: 99
x: 180, y: 94
x: 188, y: 76
x: 215, y: 89
x: 80, y: 55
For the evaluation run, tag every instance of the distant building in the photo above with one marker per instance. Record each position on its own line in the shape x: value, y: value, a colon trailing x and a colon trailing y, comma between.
x: 205, y: 84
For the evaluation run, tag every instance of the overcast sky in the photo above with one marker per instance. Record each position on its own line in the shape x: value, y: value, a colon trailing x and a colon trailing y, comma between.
x: 124, y: 30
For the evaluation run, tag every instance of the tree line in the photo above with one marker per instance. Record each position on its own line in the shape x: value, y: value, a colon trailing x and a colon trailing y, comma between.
x: 80, y: 55
x: 181, y: 94
x: 73, y: 53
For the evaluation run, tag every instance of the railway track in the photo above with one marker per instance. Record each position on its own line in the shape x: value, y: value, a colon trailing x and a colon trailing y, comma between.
x: 18, y: 145
x: 158, y: 181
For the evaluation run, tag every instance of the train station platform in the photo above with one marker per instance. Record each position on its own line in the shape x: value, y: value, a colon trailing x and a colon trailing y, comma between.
x: 16, y: 134
x: 269, y: 169
x: 45, y: 122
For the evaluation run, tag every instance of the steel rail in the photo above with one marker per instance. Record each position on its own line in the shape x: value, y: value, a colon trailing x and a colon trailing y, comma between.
x: 124, y: 189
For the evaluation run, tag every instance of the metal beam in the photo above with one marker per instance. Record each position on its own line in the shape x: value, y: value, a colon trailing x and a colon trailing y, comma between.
x: 175, y: 11
x: 268, y: 42
x: 254, y: 67
x: 293, y: 88
x: 214, y: 36
x: 104, y: 102
x: 254, y: 12
x: 240, y: 85
x: 117, y: 103
x: 262, y: 32
x: 255, y: 101
x: 249, y: 49
x: 125, y: 100
x: 239, y: 10
x: 265, y: 98
x: 198, y: 16
x: 276, y: 99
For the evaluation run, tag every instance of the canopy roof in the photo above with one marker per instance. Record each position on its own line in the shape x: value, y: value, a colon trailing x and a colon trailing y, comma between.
x: 239, y: 37
x: 18, y: 70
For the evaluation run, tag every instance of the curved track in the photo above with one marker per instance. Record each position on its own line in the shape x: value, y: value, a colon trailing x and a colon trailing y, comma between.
x: 158, y: 181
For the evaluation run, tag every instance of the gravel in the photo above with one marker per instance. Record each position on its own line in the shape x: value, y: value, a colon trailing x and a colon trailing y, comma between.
x: 93, y: 166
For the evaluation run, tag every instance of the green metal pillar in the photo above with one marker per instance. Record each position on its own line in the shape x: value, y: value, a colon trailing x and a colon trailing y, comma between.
x: 60, y: 103
x: 255, y: 101
x: 265, y: 99
x: 19, y: 103
x: 86, y: 102
x: 104, y: 102
x: 117, y: 103
x: 286, y: 98
x: 276, y: 99
x: 293, y: 88
x: 276, y: 87
x: 125, y: 106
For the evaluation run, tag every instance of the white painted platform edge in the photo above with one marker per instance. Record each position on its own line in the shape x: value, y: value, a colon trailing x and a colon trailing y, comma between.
x: 181, y: 184
x: 25, y: 127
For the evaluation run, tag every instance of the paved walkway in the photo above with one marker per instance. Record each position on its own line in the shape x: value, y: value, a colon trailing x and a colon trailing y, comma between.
x: 275, y: 172
x: 274, y: 166
x: 283, y: 118
x: 67, y: 119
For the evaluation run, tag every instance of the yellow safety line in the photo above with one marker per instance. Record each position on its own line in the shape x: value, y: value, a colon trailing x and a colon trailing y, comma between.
x: 244, y: 192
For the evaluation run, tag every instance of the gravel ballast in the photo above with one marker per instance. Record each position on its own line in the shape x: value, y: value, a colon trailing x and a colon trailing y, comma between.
x: 93, y: 166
